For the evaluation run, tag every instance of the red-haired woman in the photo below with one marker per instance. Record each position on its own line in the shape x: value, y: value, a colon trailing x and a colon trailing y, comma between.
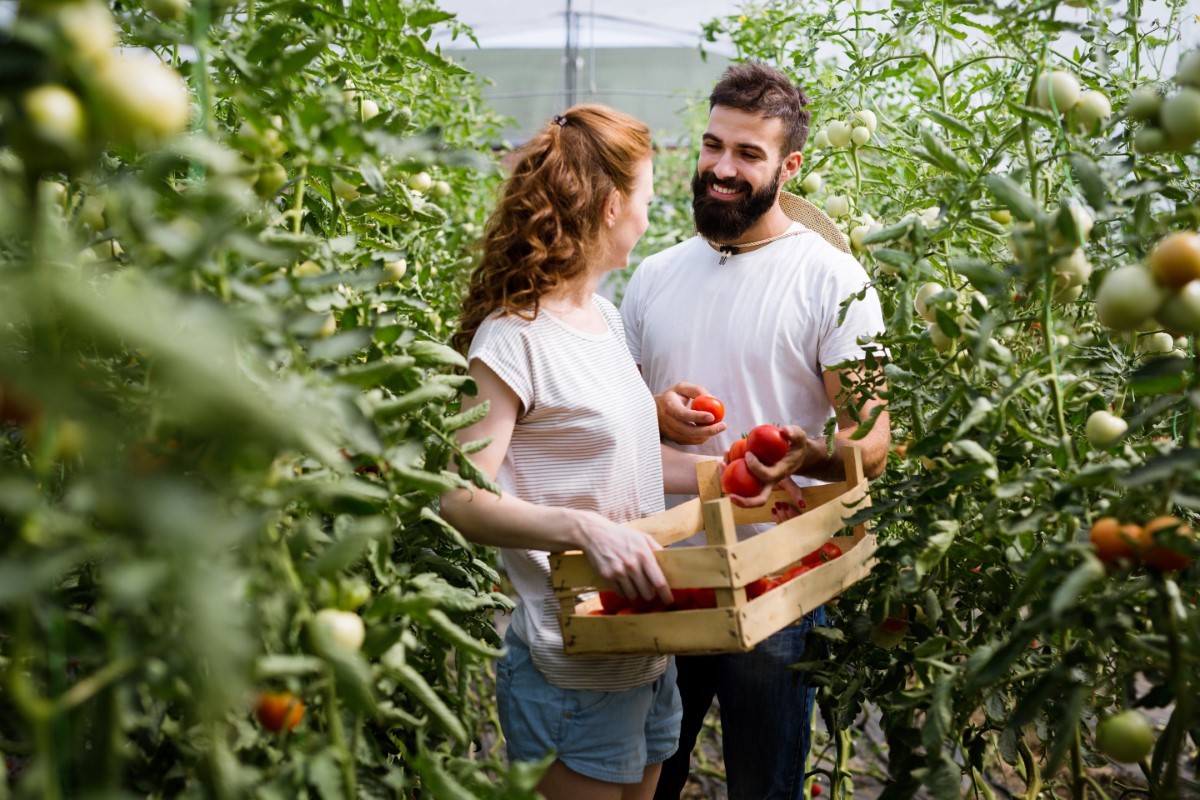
x: 574, y: 449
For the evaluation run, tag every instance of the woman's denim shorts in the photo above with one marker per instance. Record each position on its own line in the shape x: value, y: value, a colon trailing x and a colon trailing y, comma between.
x: 609, y: 736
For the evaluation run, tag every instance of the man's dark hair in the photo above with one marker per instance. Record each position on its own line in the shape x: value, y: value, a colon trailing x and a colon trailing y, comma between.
x: 758, y: 89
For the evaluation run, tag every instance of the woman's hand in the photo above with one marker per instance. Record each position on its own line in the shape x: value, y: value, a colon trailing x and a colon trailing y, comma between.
x: 625, y: 558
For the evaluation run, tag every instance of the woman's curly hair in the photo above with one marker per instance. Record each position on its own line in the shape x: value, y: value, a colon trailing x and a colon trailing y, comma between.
x: 547, y: 226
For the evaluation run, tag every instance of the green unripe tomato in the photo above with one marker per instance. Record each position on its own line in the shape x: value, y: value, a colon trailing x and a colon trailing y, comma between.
x: 1188, y: 73
x: 343, y: 629
x: 271, y: 178
x: 1058, y: 86
x: 1144, y: 103
x: 52, y: 132
x: 167, y: 10
x: 145, y: 99
x: 1180, y: 114
x: 838, y: 133
x: 1128, y: 297
x: 812, y: 183
x: 420, y: 182
x: 1104, y: 429
x: 1126, y: 737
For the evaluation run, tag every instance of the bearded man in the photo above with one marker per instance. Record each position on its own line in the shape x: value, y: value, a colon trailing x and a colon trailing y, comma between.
x: 751, y: 310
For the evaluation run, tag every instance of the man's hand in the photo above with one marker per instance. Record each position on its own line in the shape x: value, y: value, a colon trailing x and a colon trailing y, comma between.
x: 680, y: 424
x: 798, y: 456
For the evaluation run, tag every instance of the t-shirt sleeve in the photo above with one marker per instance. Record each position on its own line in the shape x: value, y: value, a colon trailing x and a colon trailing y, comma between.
x: 501, y: 344
x: 631, y: 313
x: 863, y: 318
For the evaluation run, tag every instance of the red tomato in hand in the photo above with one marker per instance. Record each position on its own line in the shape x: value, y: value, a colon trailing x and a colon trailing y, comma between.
x: 768, y: 443
x: 279, y: 711
x: 738, y: 479
x: 711, y: 405
x: 736, y: 450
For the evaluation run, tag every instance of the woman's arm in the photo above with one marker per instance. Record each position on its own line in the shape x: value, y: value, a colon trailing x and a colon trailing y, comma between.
x: 623, y: 556
x: 679, y: 470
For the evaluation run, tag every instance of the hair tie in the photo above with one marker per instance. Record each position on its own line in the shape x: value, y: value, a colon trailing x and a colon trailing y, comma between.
x: 560, y: 119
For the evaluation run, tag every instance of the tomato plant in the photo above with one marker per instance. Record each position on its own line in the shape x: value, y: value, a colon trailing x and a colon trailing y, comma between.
x: 1025, y: 281
x: 222, y: 319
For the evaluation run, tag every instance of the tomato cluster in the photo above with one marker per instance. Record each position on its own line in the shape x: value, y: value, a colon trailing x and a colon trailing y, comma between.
x: 687, y: 599
x: 826, y: 552
x: 768, y: 443
x: 1115, y: 542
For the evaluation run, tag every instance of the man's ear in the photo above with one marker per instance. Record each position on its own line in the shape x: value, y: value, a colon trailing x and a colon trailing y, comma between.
x: 791, y: 166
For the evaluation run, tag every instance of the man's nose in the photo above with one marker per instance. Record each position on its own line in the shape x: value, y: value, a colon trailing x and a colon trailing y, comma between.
x: 724, y: 168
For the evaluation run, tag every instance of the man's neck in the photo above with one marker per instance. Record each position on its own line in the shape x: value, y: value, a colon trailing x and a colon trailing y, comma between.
x: 773, y: 223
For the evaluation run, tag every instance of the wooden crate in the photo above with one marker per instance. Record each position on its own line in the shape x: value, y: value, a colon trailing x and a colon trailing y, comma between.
x: 737, y: 624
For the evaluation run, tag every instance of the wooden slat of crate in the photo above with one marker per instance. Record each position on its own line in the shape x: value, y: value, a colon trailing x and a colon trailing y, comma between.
x: 719, y: 630
x: 715, y: 565
x: 727, y: 566
x: 788, y: 603
x: 683, y: 566
x: 790, y: 541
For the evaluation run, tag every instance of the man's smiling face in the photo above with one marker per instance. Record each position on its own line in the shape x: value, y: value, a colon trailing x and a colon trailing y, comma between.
x: 738, y: 173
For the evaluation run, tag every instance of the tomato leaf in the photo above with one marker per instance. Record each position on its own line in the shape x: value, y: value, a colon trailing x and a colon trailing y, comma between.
x: 982, y: 275
x: 1012, y: 197
x: 1067, y: 595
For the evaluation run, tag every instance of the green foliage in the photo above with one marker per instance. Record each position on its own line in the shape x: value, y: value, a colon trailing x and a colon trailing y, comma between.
x: 227, y: 405
x: 1019, y: 637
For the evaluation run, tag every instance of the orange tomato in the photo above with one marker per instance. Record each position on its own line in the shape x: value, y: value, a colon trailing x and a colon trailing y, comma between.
x: 1161, y: 557
x: 1113, y: 541
x: 279, y: 711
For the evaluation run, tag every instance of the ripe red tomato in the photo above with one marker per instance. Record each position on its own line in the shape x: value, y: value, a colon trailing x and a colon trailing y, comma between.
x: 761, y: 586
x: 682, y: 599
x: 738, y: 479
x: 826, y: 552
x: 612, y: 602
x: 642, y: 606
x: 736, y: 450
x: 768, y: 443
x: 796, y: 571
x: 279, y: 711
x: 704, y: 598
x: 816, y: 790
x: 711, y: 405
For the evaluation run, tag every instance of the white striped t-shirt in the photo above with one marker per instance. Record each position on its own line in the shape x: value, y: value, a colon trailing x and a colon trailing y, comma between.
x: 586, y: 437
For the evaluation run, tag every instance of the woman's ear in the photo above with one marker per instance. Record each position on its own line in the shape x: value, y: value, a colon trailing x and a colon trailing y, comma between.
x: 612, y: 208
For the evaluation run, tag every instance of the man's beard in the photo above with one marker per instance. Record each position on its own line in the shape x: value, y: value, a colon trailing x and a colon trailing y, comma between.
x: 725, y: 221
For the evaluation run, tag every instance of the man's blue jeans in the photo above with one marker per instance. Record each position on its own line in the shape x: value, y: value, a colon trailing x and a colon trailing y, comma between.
x: 766, y: 716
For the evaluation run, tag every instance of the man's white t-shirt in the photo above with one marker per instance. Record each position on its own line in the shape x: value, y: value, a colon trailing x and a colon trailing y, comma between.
x: 586, y: 438
x: 757, y: 332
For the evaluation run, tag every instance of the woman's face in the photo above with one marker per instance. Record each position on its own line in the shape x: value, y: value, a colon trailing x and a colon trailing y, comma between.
x: 632, y: 218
